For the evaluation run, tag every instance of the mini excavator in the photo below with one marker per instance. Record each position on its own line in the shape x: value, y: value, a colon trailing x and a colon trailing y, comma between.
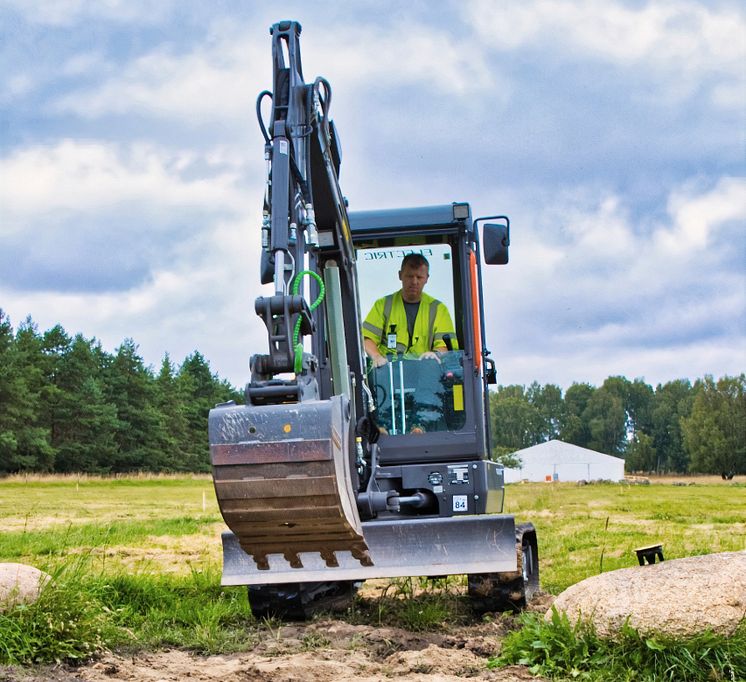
x: 335, y: 471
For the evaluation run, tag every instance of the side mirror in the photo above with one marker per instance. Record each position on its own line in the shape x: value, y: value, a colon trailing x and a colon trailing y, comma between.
x: 490, y: 372
x: 495, y: 243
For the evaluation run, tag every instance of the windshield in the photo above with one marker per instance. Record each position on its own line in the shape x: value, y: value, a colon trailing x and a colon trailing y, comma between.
x: 378, y: 269
x: 419, y: 396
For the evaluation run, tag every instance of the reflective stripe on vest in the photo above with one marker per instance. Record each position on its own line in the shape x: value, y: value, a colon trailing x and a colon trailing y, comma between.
x: 387, y: 306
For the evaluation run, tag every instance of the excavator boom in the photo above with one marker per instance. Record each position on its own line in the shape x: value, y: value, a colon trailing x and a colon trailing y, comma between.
x: 282, y: 470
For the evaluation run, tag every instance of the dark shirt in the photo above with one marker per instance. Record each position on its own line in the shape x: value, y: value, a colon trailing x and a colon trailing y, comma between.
x: 411, y: 310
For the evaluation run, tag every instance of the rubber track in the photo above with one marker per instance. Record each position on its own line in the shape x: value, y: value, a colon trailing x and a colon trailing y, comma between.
x: 491, y: 592
x: 301, y: 601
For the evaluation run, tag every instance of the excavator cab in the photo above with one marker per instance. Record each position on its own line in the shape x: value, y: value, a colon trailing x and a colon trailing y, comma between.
x: 335, y: 471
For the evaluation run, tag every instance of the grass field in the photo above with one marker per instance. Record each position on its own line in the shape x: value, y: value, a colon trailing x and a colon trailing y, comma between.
x: 155, y: 524
x: 584, y: 530
x: 172, y: 525
x: 137, y: 560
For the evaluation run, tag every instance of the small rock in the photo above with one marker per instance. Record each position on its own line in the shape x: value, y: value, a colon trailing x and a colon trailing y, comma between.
x: 20, y: 584
x: 679, y: 597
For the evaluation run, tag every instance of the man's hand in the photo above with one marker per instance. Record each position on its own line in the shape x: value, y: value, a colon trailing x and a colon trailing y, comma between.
x: 430, y: 355
x: 376, y: 357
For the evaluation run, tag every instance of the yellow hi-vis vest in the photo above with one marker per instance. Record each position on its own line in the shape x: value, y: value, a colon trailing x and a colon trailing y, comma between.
x: 388, y: 316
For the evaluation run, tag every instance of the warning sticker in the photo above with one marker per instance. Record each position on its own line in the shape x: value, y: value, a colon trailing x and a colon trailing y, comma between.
x: 458, y: 474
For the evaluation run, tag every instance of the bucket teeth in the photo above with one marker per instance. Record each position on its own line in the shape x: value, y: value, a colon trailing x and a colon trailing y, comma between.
x: 260, y: 559
x: 293, y: 559
x: 330, y: 558
x: 362, y: 555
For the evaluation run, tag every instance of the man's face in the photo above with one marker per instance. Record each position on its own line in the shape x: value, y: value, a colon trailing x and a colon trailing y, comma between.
x: 413, y: 281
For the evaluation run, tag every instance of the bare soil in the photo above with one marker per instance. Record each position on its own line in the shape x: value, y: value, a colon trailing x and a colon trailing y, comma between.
x: 327, y: 650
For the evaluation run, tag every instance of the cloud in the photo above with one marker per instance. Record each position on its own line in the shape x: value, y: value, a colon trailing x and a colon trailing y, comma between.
x: 695, y: 218
x: 438, y: 59
x: 211, y: 84
x: 80, y: 216
x: 680, y: 44
x: 588, y: 287
x: 73, y: 174
x: 131, y: 178
x: 220, y: 78
x: 69, y: 12
x: 595, y: 363
x: 200, y: 298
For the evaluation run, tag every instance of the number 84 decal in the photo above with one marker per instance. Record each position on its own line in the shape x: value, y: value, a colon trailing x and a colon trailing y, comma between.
x: 460, y: 503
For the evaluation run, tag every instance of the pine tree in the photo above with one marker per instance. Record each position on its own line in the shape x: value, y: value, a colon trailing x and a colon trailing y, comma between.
x: 85, y: 436
x: 141, y: 435
x: 172, y: 403
x: 201, y: 390
x: 25, y: 436
x: 11, y: 387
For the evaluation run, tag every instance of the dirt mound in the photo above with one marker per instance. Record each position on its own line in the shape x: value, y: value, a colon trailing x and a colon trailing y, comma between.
x: 322, y: 651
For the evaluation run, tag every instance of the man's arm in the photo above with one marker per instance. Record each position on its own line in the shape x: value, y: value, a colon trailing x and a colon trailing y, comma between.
x: 371, y: 348
x: 373, y: 331
x: 443, y: 326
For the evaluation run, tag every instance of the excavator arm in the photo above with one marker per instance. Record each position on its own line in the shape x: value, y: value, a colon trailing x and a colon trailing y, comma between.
x: 302, y: 197
x: 283, y: 472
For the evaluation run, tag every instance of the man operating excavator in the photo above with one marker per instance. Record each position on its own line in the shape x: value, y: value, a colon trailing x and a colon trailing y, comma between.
x: 409, y: 321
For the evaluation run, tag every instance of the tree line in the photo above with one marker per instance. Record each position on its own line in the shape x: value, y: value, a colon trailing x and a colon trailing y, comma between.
x: 675, y: 427
x: 66, y: 405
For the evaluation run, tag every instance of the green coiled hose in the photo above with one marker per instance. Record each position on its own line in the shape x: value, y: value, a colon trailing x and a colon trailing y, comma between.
x: 297, y: 345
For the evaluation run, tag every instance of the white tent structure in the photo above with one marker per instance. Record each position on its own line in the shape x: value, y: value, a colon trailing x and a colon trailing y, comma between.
x: 558, y: 461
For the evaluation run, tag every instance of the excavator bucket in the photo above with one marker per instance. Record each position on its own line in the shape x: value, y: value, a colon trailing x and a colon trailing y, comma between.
x: 284, y: 486
x: 283, y: 482
x: 402, y: 547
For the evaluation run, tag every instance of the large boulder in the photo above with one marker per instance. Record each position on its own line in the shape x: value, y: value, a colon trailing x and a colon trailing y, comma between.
x: 20, y: 584
x: 680, y: 597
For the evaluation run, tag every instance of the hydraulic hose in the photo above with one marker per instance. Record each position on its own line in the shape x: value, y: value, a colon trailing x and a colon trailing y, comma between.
x: 295, y: 287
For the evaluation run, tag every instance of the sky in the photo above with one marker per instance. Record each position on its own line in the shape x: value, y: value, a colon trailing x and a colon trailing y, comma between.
x: 612, y: 133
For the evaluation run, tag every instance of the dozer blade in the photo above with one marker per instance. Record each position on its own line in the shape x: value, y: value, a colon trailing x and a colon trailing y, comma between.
x: 282, y: 480
x: 402, y: 547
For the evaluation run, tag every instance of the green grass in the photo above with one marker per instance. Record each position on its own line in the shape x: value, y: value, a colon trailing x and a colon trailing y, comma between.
x: 42, y: 543
x: 41, y: 503
x: 583, y: 530
x: 165, y: 523
x: 66, y: 623
x: 193, y: 612
x: 81, y: 613
x: 562, y: 650
x: 136, y: 565
x: 156, y: 524
x: 416, y: 604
